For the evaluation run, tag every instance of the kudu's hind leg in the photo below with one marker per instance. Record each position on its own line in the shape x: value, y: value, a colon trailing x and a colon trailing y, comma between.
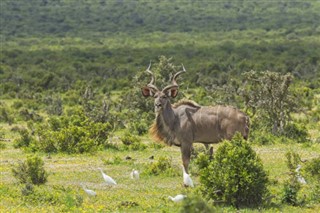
x: 186, y: 154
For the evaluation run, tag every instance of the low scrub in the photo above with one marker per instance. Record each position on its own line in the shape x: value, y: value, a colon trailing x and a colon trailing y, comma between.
x: 292, y: 185
x: 196, y: 204
x: 73, y: 134
x: 235, y: 176
x: 31, y: 171
x: 132, y: 142
x: 161, y: 166
x: 24, y: 140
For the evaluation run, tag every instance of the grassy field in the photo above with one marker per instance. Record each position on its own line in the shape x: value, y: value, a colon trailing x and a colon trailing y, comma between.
x: 60, y: 59
x: 63, y: 192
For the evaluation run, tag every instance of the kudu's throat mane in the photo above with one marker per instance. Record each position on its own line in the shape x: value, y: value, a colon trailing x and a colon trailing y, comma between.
x: 162, y: 131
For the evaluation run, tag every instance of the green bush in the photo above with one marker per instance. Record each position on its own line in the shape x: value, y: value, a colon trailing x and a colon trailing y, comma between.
x: 196, y: 204
x: 28, y: 189
x: 24, y: 140
x: 6, y: 115
x: 155, y: 145
x: 141, y: 127
x: 312, y: 170
x: 17, y: 104
x: 132, y: 142
x: 116, y: 160
x: 298, y: 133
x: 291, y: 186
x: 235, y: 176
x: 290, y: 192
x: 73, y: 134
x: 30, y: 115
x: 159, y: 167
x: 202, y: 160
x: 290, y: 135
x: 2, y: 145
x: 31, y: 171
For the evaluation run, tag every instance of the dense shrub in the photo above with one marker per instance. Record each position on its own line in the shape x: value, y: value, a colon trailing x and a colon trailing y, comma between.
x: 159, y: 167
x: 115, y: 160
x: 293, y: 133
x: 312, y: 170
x: 235, y: 176
x: 17, y: 104
x: 298, y: 133
x: 196, y: 204
x: 54, y: 105
x: 139, y: 127
x: 28, y: 115
x: 73, y: 134
x: 132, y: 142
x: 290, y: 193
x: 202, y: 160
x: 24, y: 140
x: 31, y: 171
x: 6, y: 115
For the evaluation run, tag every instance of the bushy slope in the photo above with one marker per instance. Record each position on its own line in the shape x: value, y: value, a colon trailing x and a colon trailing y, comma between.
x: 50, y: 44
x: 62, y: 17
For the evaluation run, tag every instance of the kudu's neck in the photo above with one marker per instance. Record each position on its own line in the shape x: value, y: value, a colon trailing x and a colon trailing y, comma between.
x: 166, y: 116
x: 163, y: 128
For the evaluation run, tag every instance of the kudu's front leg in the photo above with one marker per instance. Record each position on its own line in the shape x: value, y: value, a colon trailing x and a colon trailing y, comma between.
x: 186, y: 154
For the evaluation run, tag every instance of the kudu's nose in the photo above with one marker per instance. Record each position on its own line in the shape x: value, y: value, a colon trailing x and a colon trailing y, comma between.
x: 158, y: 105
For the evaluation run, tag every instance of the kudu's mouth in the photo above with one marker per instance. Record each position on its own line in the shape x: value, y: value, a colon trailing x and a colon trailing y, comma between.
x: 157, y: 107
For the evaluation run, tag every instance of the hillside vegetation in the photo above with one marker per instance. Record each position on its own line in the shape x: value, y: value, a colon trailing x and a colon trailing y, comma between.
x: 90, y: 17
x: 70, y: 101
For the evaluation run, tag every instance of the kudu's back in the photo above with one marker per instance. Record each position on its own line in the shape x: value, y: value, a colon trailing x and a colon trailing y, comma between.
x: 212, y: 124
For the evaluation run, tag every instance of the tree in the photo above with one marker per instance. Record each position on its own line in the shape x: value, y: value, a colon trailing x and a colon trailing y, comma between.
x: 267, y: 94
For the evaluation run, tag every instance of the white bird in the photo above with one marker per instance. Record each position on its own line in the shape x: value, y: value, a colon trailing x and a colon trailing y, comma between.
x: 107, y: 178
x: 299, y: 177
x: 89, y: 191
x: 177, y: 198
x: 187, y: 181
x: 135, y: 174
x: 298, y: 168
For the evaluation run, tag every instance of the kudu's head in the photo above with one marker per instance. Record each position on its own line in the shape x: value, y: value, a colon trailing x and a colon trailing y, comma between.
x: 161, y: 97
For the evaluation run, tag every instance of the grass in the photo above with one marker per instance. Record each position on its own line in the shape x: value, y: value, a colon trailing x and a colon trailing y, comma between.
x: 148, y: 194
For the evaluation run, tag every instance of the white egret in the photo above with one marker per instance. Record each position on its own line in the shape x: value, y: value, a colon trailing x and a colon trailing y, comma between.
x: 299, y: 177
x: 107, y: 178
x: 187, y: 181
x: 135, y: 174
x: 177, y: 198
x: 298, y: 168
x: 89, y: 191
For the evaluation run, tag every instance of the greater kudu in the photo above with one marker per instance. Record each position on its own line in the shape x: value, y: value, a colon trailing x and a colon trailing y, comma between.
x: 186, y: 122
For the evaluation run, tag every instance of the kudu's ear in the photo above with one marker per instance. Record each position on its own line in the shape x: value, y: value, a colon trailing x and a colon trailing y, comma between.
x: 172, y: 92
x: 147, y: 92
